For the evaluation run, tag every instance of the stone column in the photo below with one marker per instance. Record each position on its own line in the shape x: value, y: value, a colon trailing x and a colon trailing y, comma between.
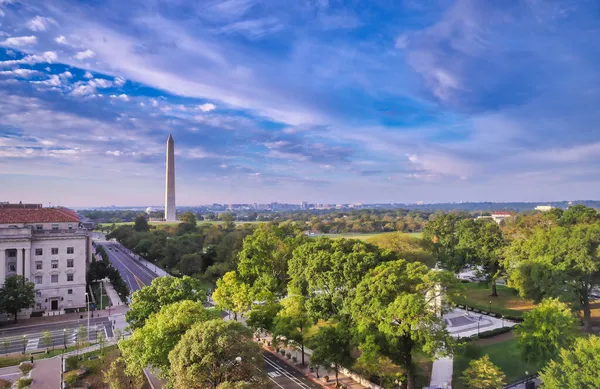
x: 19, y: 261
x: 2, y: 266
x: 27, y: 270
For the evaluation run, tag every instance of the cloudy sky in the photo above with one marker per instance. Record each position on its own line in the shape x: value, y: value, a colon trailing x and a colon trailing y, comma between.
x: 317, y: 100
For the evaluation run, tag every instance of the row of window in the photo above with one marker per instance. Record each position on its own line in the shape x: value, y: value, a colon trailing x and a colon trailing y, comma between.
x: 54, y: 251
x: 53, y: 278
x: 39, y: 265
x: 40, y: 227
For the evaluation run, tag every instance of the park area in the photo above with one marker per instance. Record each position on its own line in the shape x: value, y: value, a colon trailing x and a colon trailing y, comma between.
x: 507, y: 303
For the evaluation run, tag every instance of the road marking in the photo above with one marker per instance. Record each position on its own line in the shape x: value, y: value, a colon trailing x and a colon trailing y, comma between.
x: 286, y: 373
x: 32, y: 344
x: 274, y: 374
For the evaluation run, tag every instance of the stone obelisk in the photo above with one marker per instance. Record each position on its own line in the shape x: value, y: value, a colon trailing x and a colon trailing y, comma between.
x: 170, y: 214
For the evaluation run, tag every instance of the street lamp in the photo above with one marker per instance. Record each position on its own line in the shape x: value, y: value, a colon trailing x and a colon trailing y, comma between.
x: 87, y: 303
x: 24, y: 343
x: 490, y: 311
x: 64, y: 338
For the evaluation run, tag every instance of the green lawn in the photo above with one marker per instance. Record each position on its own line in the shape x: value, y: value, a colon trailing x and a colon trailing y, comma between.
x: 477, y: 295
x: 505, y: 355
x: 105, y: 299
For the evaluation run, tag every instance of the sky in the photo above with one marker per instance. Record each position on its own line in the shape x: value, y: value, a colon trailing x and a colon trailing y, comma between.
x: 310, y: 100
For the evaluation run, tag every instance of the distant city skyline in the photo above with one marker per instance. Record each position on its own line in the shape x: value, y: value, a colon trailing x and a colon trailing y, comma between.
x: 319, y: 101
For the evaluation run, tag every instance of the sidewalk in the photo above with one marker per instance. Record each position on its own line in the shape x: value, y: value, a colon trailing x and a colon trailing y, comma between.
x: 112, y: 294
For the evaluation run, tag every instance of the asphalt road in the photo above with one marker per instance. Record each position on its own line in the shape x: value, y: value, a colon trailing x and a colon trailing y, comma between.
x: 284, y: 376
x: 135, y: 275
x: 30, y: 338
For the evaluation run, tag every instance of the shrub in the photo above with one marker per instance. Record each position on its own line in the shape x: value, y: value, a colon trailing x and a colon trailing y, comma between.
x: 23, y: 383
x: 71, y: 363
x: 25, y: 367
x: 288, y: 355
x: 294, y: 358
x: 325, y: 378
x: 4, y: 384
x: 471, y: 351
x: 282, y: 352
x: 71, y: 378
x: 494, y: 332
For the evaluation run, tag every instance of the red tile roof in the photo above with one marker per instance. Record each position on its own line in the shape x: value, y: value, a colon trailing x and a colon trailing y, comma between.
x: 39, y: 215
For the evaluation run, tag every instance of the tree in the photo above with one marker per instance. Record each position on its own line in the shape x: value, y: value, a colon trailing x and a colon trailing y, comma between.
x: 579, y: 214
x: 46, y: 339
x: 562, y: 262
x: 576, y: 368
x: 483, y: 374
x: 188, y: 223
x: 151, y: 344
x: 262, y: 316
x: 162, y: 291
x: 545, y: 330
x: 293, y: 321
x: 327, y: 272
x: 265, y: 254
x: 141, y: 224
x: 405, y: 247
x: 101, y: 339
x: 215, y: 353
x: 395, y: 301
x: 440, y: 237
x: 332, y: 346
x: 17, y: 293
x: 116, y: 378
x: 232, y: 294
x: 371, y: 361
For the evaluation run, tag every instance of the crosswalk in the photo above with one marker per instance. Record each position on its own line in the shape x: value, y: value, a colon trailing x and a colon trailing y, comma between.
x: 32, y: 344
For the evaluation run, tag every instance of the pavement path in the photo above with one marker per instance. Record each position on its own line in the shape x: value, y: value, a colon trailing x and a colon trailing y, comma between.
x: 11, y: 373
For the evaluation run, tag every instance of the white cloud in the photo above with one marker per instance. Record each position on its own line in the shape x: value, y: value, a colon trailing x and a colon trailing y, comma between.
x: 85, y: 55
x: 119, y: 82
x: 66, y: 75
x: 100, y: 83
x: 40, y: 23
x: 54, y: 80
x: 116, y: 153
x: 24, y: 73
x: 88, y: 75
x: 48, y: 56
x: 61, y: 40
x: 19, y: 41
x: 122, y: 96
x: 402, y: 42
x: 207, y: 107
x: 154, y: 102
x: 83, y: 90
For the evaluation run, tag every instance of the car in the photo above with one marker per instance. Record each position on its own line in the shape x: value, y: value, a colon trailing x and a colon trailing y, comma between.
x: 116, y: 250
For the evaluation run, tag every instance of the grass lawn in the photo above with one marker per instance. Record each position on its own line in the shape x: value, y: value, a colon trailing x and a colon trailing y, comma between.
x: 477, y: 294
x: 105, y: 299
x: 15, y: 359
x: 505, y: 355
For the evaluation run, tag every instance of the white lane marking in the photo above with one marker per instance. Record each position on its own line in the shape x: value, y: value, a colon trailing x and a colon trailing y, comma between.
x: 32, y: 344
x: 8, y: 375
x: 287, y: 374
x: 274, y: 374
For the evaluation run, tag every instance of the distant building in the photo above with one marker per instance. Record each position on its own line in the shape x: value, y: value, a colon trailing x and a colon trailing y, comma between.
x: 170, y: 211
x: 500, y: 216
x: 49, y: 247
x: 543, y: 208
x: 304, y: 205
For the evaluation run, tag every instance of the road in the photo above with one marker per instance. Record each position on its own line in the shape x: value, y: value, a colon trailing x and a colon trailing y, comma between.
x: 135, y: 275
x: 30, y: 338
x: 284, y: 376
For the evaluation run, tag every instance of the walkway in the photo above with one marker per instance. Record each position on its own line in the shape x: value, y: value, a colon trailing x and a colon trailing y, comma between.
x: 46, y: 374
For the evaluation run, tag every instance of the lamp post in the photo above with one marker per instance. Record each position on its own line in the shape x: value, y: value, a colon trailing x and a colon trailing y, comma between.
x: 490, y: 311
x: 478, y: 326
x: 526, y: 378
x: 502, y: 316
x: 62, y: 367
x: 24, y: 343
x: 64, y: 338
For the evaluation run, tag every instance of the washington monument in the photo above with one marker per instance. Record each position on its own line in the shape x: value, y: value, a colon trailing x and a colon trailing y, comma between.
x: 170, y: 213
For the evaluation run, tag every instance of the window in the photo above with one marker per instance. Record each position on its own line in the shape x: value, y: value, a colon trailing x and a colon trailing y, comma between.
x: 38, y: 265
x: 70, y: 291
x: 70, y: 226
x: 38, y: 306
x: 39, y: 227
x: 13, y: 226
x: 39, y: 252
x: 70, y: 263
x: 38, y: 279
x: 70, y: 250
x: 11, y: 253
x: 55, y: 264
x: 69, y: 277
x: 12, y: 267
x: 55, y: 227
x: 54, y: 278
x: 55, y: 251
x: 38, y: 294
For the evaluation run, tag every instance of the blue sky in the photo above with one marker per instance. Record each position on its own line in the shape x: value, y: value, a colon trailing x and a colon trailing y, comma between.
x: 318, y: 100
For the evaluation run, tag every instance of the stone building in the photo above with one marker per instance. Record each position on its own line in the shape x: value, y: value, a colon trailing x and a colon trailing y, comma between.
x: 50, y: 247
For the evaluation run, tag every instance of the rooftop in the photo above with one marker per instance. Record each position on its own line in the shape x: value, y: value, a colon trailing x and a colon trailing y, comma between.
x: 37, y: 215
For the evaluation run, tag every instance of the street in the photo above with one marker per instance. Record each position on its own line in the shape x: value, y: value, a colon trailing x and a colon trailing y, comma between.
x: 30, y: 338
x: 284, y: 376
x: 135, y: 275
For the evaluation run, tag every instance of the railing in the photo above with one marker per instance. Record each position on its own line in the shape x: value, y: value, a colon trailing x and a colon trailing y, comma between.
x: 63, y: 231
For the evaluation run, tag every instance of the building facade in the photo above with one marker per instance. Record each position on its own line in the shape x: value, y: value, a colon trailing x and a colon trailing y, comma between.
x: 49, y: 247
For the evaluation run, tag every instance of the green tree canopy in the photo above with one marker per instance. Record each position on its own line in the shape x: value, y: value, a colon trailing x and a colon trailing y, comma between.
x: 162, y: 291
x: 293, y: 321
x: 141, y: 223
x: 217, y: 353
x: 262, y: 316
x: 151, y: 344
x: 576, y: 368
x: 561, y: 262
x: 263, y: 261
x: 232, y: 294
x: 546, y: 329
x: 17, y: 293
x: 327, y: 271
x: 405, y: 246
x: 188, y: 223
x: 332, y: 346
x: 396, y: 300
x: 483, y: 374
x: 441, y: 239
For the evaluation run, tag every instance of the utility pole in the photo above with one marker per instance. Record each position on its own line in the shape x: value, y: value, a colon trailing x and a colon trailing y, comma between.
x: 101, y: 294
